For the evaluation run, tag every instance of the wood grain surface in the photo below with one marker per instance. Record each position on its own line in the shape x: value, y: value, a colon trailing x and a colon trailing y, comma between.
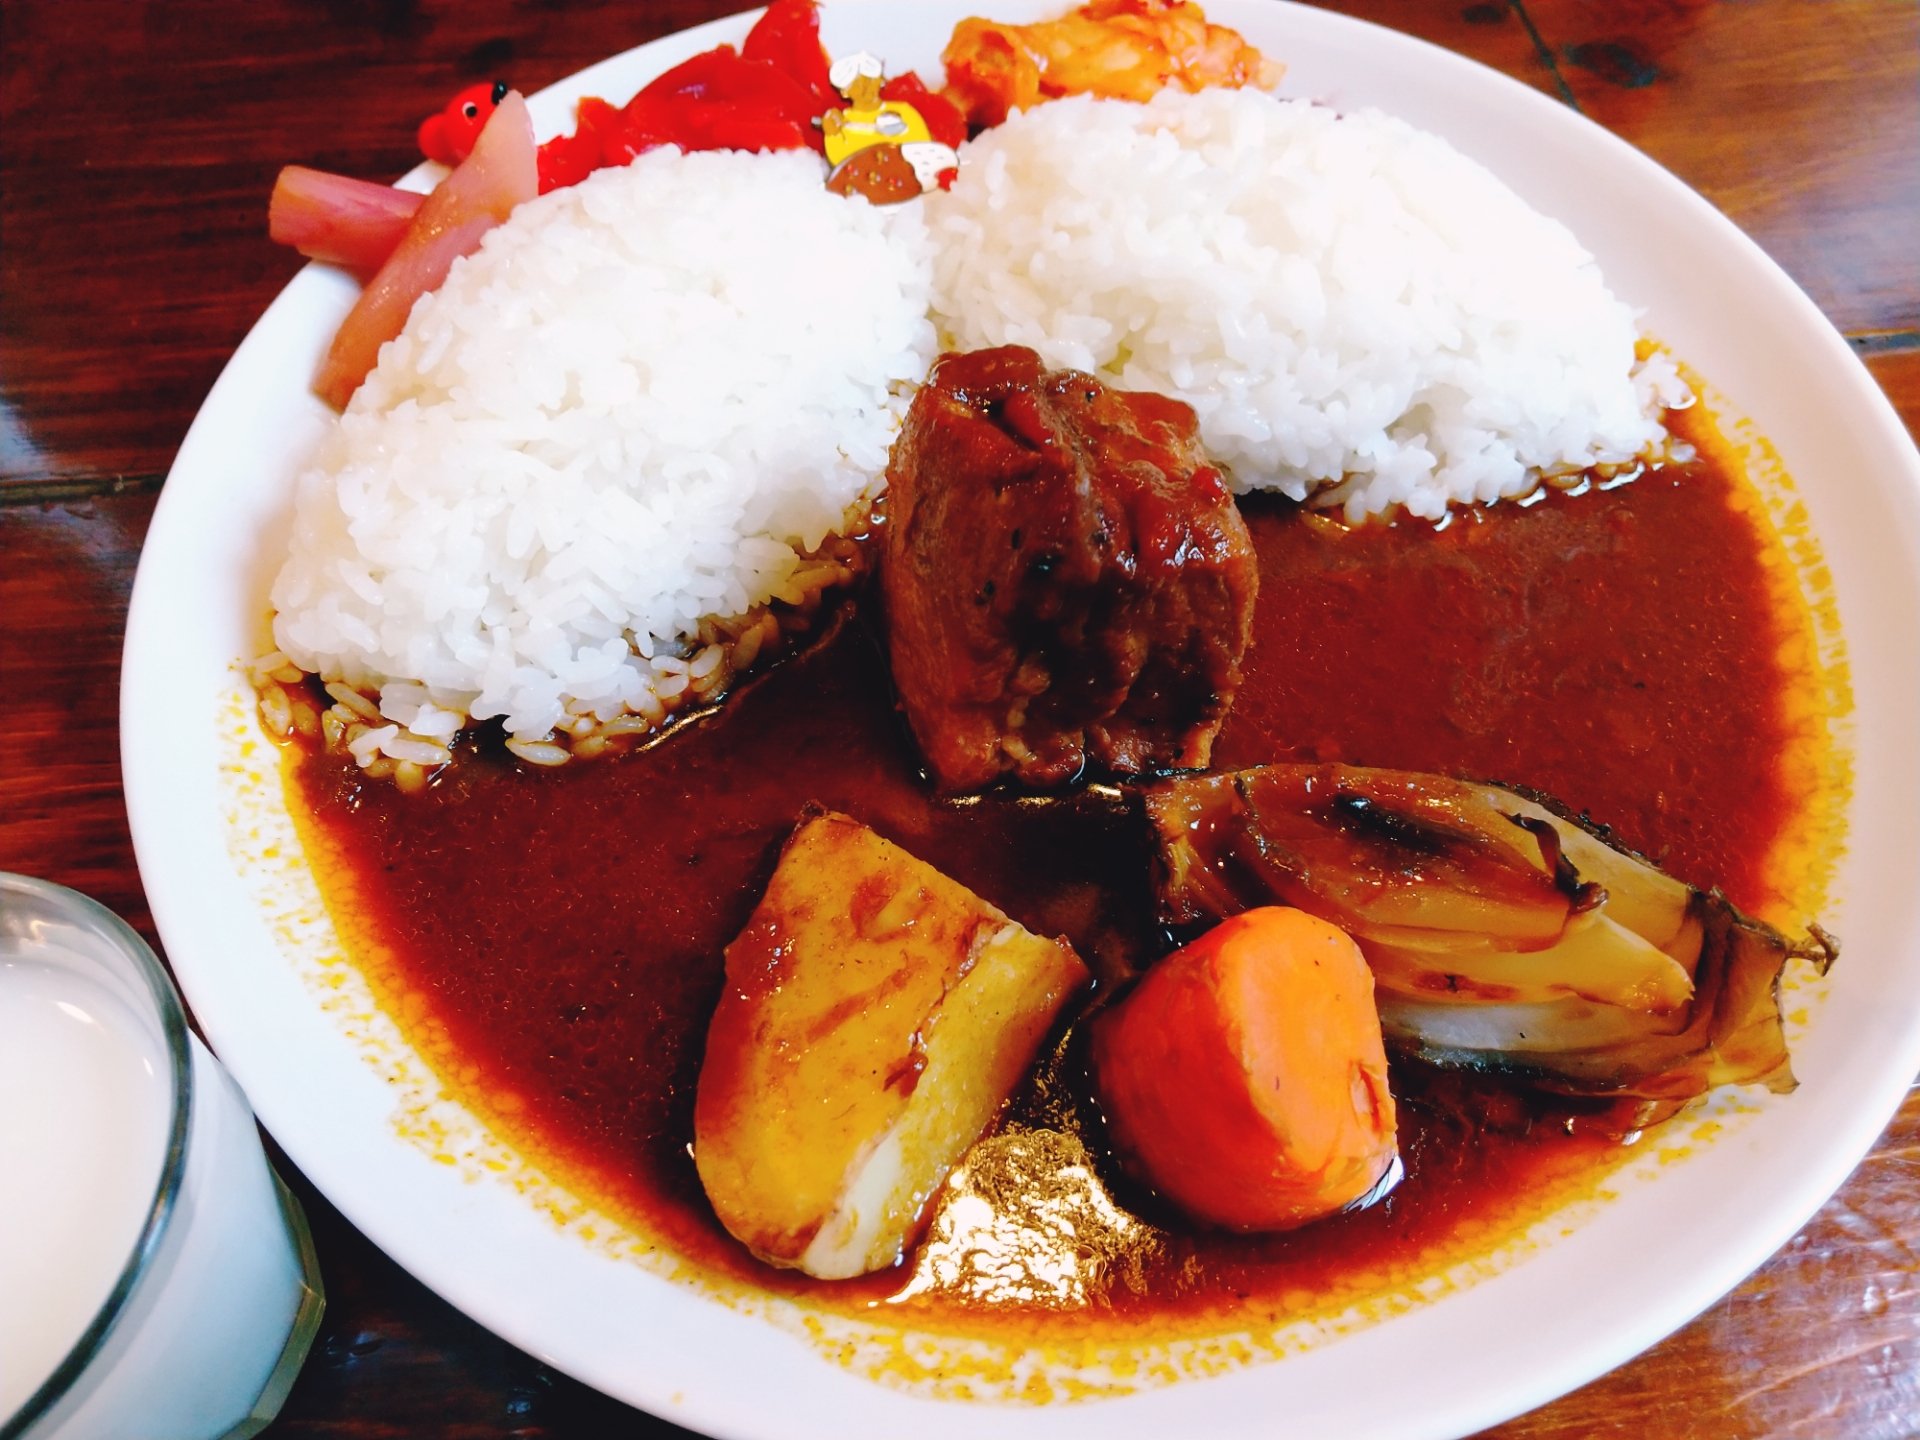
x: 138, y: 142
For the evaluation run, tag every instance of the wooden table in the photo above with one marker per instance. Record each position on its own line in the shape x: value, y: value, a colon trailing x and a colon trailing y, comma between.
x: 137, y: 146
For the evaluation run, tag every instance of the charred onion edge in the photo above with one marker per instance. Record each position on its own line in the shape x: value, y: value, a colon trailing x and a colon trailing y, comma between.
x: 1639, y: 1097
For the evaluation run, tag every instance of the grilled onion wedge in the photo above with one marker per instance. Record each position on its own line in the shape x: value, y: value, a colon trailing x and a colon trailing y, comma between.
x: 1502, y: 932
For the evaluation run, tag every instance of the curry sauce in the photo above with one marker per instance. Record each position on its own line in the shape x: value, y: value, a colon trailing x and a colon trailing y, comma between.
x: 553, y: 938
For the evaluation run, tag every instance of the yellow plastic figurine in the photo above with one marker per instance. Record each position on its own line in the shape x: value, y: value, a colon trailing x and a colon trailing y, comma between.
x: 910, y: 163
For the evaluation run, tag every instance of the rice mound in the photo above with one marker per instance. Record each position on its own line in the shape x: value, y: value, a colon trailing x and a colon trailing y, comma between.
x: 1355, y: 310
x: 630, y: 410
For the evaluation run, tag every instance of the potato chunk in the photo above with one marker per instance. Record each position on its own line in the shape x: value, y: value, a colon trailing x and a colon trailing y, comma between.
x: 876, y: 1017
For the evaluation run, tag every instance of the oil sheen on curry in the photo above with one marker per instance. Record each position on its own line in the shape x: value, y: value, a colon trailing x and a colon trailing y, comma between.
x: 1462, y: 705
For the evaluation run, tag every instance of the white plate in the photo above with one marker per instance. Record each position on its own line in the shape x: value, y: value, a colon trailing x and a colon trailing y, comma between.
x: 1627, y: 1275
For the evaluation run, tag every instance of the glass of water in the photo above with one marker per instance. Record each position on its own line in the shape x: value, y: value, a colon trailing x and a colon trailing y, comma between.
x: 156, y: 1278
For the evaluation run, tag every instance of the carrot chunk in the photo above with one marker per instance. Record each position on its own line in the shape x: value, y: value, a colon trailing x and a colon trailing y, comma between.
x: 1245, y: 1079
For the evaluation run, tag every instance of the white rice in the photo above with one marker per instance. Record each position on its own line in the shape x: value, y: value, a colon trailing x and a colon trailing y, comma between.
x: 628, y: 411
x: 644, y: 397
x: 1352, y: 307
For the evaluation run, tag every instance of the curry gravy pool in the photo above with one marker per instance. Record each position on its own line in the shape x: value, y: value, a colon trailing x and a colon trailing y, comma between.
x: 1639, y: 652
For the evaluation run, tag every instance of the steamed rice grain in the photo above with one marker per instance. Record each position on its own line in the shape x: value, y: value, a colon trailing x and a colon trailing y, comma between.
x: 621, y: 429
x: 634, y: 408
x: 1354, y: 309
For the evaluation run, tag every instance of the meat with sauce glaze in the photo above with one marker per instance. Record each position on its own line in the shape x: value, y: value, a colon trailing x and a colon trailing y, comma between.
x: 1067, y: 581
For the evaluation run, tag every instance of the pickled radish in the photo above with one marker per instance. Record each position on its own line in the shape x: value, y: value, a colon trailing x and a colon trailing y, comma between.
x: 339, y: 220
x: 1245, y: 1078
x: 478, y: 195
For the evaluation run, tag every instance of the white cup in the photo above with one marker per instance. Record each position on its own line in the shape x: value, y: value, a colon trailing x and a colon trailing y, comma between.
x: 156, y: 1278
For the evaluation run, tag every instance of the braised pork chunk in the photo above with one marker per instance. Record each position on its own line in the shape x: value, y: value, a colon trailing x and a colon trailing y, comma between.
x: 1067, y: 581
